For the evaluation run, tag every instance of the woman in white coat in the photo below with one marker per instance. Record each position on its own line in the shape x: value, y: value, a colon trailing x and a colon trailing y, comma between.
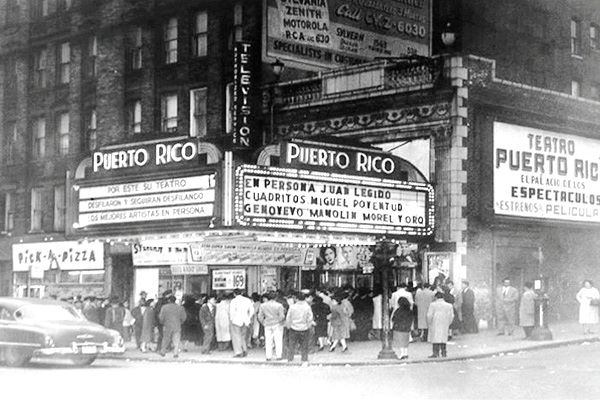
x: 222, y: 328
x: 588, y: 312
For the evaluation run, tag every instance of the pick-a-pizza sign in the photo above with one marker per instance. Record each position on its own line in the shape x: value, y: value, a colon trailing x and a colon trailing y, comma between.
x: 298, y: 199
x: 58, y: 255
x: 543, y: 174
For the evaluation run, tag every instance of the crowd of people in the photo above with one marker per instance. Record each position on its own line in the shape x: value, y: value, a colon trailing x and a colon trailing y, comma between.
x: 286, y: 323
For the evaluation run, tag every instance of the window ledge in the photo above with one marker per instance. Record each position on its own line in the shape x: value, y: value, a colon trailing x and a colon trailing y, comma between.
x: 576, y: 56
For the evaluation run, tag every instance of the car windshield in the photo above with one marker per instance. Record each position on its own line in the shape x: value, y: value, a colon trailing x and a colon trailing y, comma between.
x: 46, y: 313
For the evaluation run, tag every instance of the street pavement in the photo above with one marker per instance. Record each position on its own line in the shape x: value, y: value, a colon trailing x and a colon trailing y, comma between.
x: 462, y: 347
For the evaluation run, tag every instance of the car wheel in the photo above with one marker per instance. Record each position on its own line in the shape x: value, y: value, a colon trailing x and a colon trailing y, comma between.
x: 83, y: 360
x: 15, y: 357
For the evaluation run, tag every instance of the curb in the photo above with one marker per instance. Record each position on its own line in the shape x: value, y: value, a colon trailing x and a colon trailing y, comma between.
x: 491, y: 354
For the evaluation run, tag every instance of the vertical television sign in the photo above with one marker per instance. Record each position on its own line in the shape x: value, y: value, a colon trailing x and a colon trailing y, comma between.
x: 243, y: 129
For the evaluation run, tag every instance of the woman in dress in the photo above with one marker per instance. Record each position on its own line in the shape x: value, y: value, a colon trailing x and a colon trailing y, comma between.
x: 148, y: 324
x: 402, y: 322
x: 588, y: 312
x: 340, y: 328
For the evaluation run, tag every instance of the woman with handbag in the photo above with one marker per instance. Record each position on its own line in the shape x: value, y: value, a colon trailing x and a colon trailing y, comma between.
x: 589, y: 302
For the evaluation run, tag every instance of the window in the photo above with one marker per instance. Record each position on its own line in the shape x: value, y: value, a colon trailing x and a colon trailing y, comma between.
x: 170, y: 41
x: 9, y: 141
x: 136, y: 53
x: 59, y: 208
x: 575, y: 89
x: 39, y: 138
x: 91, y: 55
x: 39, y: 9
x: 135, y: 117
x: 168, y: 113
x: 229, y: 108
x: 64, y: 63
x: 200, y: 34
x: 237, y: 31
x: 62, y: 5
x: 63, y: 133
x: 594, y: 43
x: 40, y: 73
x: 198, y: 112
x: 36, y: 209
x: 8, y: 218
x: 12, y: 12
x: 91, y: 132
x: 575, y: 37
x: 595, y: 91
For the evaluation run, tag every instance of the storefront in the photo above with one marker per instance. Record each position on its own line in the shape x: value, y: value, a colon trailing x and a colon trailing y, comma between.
x: 58, y: 269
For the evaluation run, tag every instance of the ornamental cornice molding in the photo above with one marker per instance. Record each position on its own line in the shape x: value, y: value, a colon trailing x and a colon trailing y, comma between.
x: 430, y: 114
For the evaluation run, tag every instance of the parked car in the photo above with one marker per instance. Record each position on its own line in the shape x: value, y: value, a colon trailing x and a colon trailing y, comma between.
x: 48, y: 328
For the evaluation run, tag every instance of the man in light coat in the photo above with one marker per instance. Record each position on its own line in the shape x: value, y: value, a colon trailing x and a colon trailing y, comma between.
x: 401, y: 292
x: 439, y: 317
x: 507, y: 298
x: 272, y: 316
x: 241, y: 311
x: 527, y: 309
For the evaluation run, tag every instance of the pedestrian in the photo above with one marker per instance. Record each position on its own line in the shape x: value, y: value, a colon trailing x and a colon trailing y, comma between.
x: 241, y: 311
x: 340, y: 328
x: 439, y: 318
x: 377, y: 323
x: 299, y: 319
x: 271, y: 315
x: 457, y: 305
x: 254, y: 334
x: 114, y: 316
x: 90, y: 310
x: 207, y: 318
x: 348, y: 314
x: 148, y: 325
x: 527, y: 309
x: 321, y: 313
x: 137, y: 313
x: 423, y: 298
x: 506, y: 307
x: 222, y: 324
x: 157, y: 307
x: 401, y: 325
x: 171, y: 317
x: 128, y: 321
x: 401, y: 292
x: 469, y: 323
x: 588, y: 298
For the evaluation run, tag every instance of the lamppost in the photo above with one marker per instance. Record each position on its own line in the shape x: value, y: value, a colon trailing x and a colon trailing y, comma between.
x: 274, y: 95
x: 383, y: 257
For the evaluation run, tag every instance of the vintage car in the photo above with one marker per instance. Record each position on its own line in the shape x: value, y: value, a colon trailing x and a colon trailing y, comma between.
x: 35, y: 328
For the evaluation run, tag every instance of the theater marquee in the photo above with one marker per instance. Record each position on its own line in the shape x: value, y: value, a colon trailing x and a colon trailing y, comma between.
x: 312, y: 200
x: 548, y: 175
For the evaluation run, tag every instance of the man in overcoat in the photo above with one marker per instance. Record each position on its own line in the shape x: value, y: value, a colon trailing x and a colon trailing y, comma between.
x: 527, y: 309
x: 506, y: 307
x: 439, y: 317
x: 469, y: 324
x: 171, y: 317
x: 207, y: 322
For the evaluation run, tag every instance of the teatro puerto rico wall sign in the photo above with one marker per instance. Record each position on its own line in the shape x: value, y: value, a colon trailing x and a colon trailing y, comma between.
x: 547, y: 175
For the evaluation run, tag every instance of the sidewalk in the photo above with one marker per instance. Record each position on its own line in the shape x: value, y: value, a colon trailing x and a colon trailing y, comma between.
x: 471, y: 346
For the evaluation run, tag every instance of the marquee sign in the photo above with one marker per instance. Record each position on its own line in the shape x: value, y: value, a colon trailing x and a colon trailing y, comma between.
x: 272, y: 197
x: 251, y: 254
x: 58, y: 255
x: 149, y: 200
x: 333, y: 33
x: 548, y: 175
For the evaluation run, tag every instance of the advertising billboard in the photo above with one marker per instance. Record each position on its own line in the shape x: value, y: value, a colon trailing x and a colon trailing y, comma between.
x: 334, y: 33
x: 546, y: 175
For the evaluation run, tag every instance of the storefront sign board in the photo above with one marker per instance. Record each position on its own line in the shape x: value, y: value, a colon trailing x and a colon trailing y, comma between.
x: 297, y: 199
x: 228, y: 279
x: 189, y: 269
x: 152, y: 200
x: 333, y: 33
x: 251, y: 254
x: 150, y: 253
x: 546, y: 175
x: 70, y: 255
